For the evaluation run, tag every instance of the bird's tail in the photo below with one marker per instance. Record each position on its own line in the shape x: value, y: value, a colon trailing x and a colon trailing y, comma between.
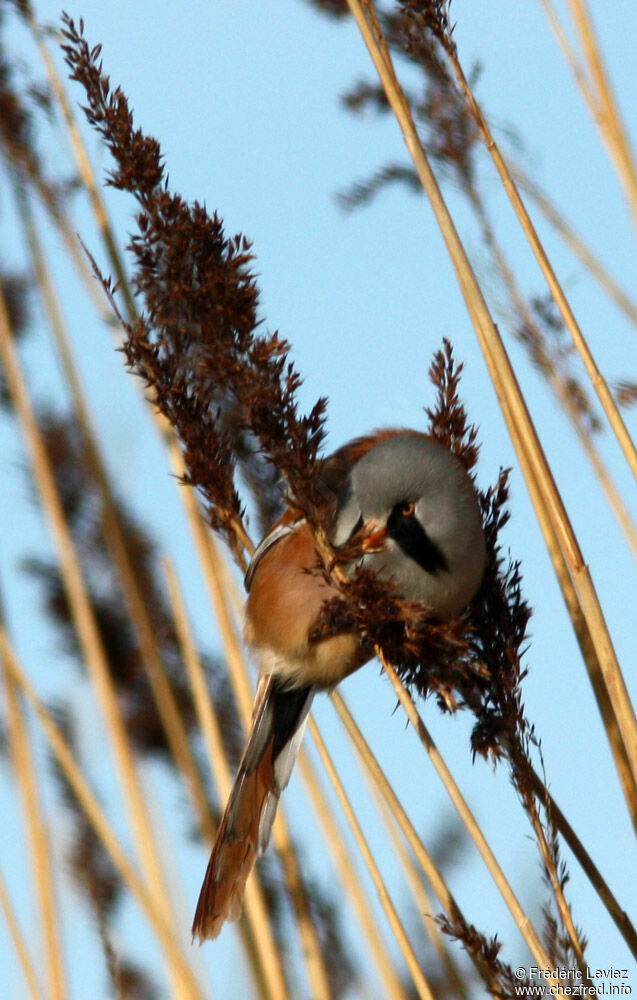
x: 278, y: 723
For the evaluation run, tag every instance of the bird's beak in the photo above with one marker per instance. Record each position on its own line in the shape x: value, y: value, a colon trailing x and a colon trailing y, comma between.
x: 374, y: 536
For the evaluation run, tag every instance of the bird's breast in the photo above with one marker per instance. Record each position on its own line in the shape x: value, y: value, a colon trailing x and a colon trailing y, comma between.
x: 286, y: 596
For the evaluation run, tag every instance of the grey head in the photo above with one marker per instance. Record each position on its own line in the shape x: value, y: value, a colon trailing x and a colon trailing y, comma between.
x: 423, y: 509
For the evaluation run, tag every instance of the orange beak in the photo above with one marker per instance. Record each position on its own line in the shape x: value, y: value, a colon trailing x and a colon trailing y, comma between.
x: 375, y: 540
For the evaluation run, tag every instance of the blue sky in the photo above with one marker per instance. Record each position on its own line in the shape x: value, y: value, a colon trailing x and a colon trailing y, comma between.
x: 244, y: 99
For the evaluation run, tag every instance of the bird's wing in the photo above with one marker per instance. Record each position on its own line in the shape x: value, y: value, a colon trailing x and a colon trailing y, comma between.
x: 275, y: 534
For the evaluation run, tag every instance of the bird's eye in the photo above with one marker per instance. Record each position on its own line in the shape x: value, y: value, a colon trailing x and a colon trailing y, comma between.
x: 407, y: 508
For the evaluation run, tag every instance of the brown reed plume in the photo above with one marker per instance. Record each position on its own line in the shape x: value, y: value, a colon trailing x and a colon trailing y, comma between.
x: 225, y: 387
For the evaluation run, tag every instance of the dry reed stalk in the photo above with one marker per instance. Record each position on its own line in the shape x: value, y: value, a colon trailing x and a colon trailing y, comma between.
x: 572, y: 59
x: 424, y: 859
x: 615, y: 502
x: 146, y: 898
x: 579, y: 623
x: 255, y: 905
x: 505, y: 383
x: 487, y: 855
x: 557, y: 380
x: 604, y: 394
x: 420, y: 982
x: 87, y: 632
x: 576, y: 944
x: 82, y: 160
x: 420, y: 896
x: 228, y: 579
x: 416, y: 886
x: 113, y: 535
x: 526, y: 927
x: 211, y: 564
x: 354, y: 890
x: 19, y: 944
x: 575, y: 242
x: 609, y: 118
x: 581, y: 630
x: 619, y: 916
x: 206, y: 715
x: 66, y: 230
x: 295, y: 883
x: 584, y: 638
x: 78, y: 258
x: 69, y: 237
x: 37, y: 836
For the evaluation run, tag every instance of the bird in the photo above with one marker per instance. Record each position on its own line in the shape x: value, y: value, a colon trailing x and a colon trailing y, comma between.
x: 416, y: 511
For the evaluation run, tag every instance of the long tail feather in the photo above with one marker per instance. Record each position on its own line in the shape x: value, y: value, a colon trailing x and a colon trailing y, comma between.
x: 278, y: 723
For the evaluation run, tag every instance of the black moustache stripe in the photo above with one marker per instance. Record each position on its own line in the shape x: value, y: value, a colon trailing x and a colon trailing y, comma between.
x: 409, y: 534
